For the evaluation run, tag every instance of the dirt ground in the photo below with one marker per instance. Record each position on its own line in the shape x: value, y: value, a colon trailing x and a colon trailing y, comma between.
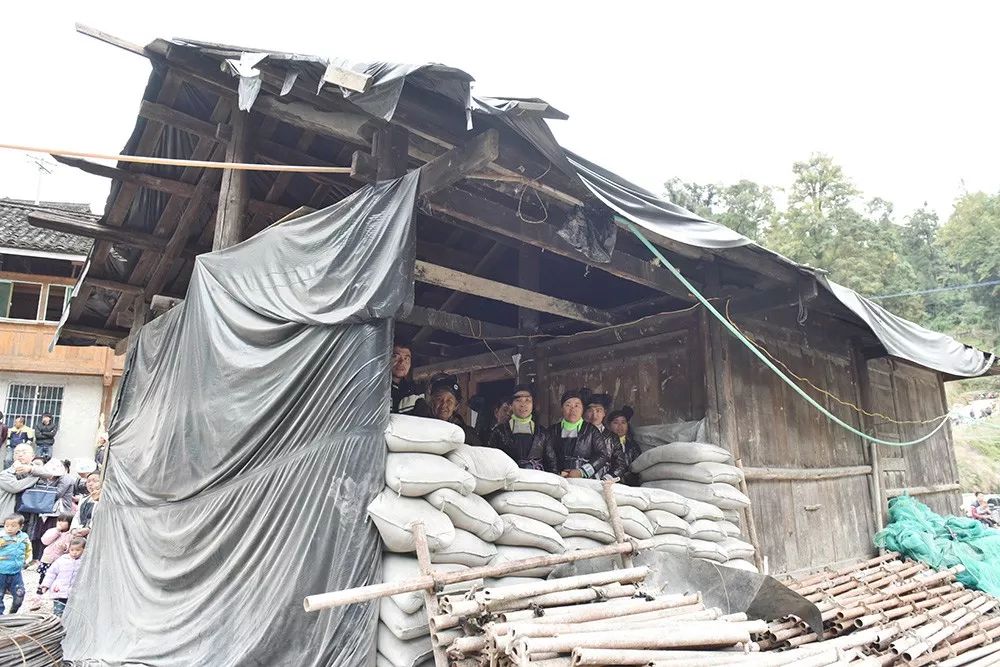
x: 30, y: 585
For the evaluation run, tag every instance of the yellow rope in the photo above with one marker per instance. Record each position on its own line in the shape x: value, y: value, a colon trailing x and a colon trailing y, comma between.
x: 172, y: 162
x: 822, y: 391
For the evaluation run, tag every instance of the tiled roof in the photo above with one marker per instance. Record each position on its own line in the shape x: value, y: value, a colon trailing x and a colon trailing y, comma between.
x: 16, y: 232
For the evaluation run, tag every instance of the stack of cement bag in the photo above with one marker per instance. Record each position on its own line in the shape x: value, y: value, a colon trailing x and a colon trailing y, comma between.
x: 704, y: 475
x: 478, y: 508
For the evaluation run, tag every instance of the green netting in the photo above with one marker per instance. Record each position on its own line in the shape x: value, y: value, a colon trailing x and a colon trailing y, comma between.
x: 914, y: 530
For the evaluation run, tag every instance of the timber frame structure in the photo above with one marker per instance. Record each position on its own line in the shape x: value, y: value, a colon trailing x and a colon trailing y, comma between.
x: 500, y: 294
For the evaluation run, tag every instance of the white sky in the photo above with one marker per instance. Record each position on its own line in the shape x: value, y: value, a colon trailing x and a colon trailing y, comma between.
x: 902, y: 94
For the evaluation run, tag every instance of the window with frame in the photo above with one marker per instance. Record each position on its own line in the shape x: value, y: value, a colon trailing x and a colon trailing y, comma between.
x: 20, y: 300
x: 31, y: 401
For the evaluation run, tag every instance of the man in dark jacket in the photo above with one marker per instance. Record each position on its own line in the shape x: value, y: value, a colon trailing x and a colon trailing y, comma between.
x: 519, y: 436
x: 576, y: 448
x: 45, y: 437
x: 445, y: 397
x: 407, y: 397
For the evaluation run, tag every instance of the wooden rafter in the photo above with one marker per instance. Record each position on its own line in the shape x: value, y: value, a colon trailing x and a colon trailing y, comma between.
x: 93, y: 230
x: 458, y: 324
x: 491, y: 289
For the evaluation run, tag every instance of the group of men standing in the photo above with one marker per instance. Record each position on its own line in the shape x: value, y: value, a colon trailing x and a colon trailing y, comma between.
x: 586, y: 442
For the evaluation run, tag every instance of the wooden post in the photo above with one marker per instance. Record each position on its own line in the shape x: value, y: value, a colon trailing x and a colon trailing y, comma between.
x: 234, y: 190
x: 864, y: 395
x: 390, y: 146
x: 529, y: 266
x: 430, y: 596
x: 140, y: 313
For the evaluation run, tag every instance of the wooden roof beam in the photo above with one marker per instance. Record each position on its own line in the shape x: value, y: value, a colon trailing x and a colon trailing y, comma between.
x: 94, y: 230
x: 458, y: 324
x: 108, y: 335
x: 491, y: 289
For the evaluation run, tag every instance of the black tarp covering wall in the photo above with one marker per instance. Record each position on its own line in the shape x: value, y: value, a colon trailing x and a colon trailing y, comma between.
x: 246, y: 443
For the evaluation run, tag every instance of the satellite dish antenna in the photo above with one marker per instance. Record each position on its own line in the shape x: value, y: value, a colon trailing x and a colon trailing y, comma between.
x: 45, y: 167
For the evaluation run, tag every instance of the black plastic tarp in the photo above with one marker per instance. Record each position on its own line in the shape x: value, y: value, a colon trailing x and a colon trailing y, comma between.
x: 247, y: 440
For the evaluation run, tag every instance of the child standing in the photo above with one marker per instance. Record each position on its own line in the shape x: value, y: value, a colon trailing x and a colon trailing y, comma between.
x: 15, y: 553
x: 56, y: 541
x: 62, y: 575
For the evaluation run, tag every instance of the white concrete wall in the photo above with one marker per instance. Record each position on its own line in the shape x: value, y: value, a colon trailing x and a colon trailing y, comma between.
x: 81, y: 409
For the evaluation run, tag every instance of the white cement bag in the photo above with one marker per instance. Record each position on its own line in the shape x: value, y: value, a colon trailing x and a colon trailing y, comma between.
x: 730, y: 528
x: 668, y: 501
x: 665, y: 523
x: 634, y: 523
x: 414, y: 474
x: 525, y: 479
x: 584, y: 500
x: 394, y: 516
x: 585, y: 525
x: 740, y: 564
x: 722, y: 496
x: 705, y: 472
x: 733, y: 516
x: 466, y: 549
x: 404, y: 626
x: 400, y: 568
x: 707, y: 550
x: 506, y: 554
x: 624, y: 495
x: 578, y: 543
x: 710, y: 531
x: 406, y: 433
x: 678, y: 545
x: 520, y: 531
x: 471, y: 513
x: 401, y: 653
x: 734, y: 548
x: 532, y: 504
x: 681, y: 452
x: 489, y: 466
x: 699, y: 510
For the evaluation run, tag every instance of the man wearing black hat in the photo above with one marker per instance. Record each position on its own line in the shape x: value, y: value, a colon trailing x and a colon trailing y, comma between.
x: 519, y: 437
x: 445, y: 397
x: 623, y: 446
x: 577, y: 448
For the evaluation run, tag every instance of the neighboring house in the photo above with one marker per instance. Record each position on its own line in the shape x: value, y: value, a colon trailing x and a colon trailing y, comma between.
x: 38, y: 269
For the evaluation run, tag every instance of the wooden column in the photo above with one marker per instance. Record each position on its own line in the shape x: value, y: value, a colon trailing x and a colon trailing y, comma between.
x: 864, y: 396
x: 140, y: 314
x: 234, y: 189
x: 390, y: 146
x: 529, y: 263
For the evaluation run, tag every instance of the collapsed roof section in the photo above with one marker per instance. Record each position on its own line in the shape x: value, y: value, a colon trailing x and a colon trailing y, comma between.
x: 528, y: 192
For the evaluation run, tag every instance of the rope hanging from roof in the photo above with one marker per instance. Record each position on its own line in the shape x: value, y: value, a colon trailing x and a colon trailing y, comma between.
x: 176, y: 162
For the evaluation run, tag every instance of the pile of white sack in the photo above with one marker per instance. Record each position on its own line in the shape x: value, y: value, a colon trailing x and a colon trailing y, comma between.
x: 704, y: 475
x: 479, y: 508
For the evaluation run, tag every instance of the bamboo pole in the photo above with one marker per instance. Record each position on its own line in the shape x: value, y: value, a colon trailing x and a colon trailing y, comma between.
x: 607, y: 488
x: 668, y: 635
x: 430, y: 598
x: 173, y: 162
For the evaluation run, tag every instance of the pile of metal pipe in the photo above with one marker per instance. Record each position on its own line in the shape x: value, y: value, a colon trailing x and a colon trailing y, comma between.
x: 892, y: 611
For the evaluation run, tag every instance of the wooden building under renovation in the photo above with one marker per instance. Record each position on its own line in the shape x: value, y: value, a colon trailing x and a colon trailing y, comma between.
x: 525, y: 271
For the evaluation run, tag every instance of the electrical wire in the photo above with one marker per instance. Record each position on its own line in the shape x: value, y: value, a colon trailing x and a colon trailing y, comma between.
x: 760, y: 355
x: 936, y: 290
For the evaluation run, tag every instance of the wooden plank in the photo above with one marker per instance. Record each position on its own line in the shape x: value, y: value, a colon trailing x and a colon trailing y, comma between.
x: 167, y: 115
x: 456, y: 297
x: 114, y: 285
x: 779, y: 297
x: 466, y: 364
x: 230, y: 217
x: 101, y: 232
x: 493, y: 217
x: 346, y: 78
x: 94, y: 332
x: 389, y: 148
x: 806, y: 473
x: 459, y: 324
x: 923, y: 490
x: 111, y: 39
x: 457, y: 163
x: 490, y: 289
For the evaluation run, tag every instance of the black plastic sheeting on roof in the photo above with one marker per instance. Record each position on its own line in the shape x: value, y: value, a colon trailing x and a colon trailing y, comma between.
x: 238, y: 479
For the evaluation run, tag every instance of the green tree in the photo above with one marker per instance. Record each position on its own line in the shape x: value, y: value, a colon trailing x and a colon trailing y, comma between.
x: 745, y: 206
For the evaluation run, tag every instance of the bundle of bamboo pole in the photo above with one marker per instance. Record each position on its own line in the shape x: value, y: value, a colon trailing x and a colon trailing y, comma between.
x: 895, y: 612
